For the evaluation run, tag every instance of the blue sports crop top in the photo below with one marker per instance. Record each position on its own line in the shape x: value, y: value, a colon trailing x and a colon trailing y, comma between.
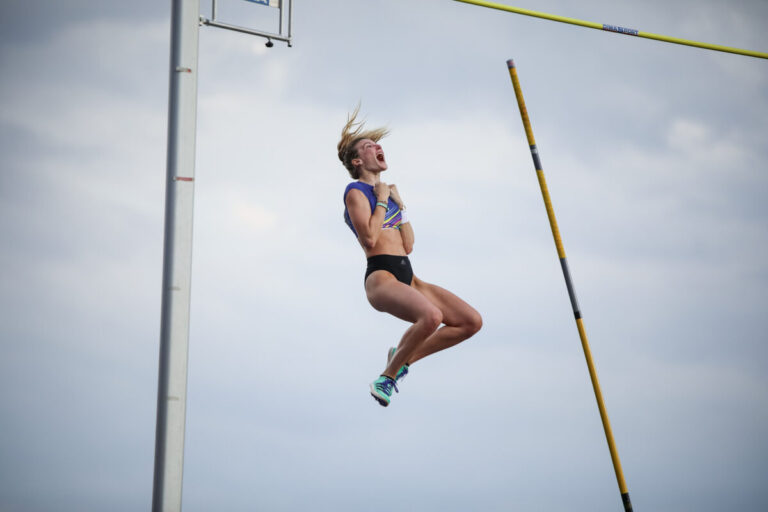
x: 392, y: 218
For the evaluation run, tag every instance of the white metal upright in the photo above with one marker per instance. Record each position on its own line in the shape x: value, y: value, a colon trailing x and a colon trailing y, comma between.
x: 177, y: 257
x: 177, y: 249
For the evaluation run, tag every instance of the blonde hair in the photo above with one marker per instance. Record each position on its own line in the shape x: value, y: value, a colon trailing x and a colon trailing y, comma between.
x: 351, y: 134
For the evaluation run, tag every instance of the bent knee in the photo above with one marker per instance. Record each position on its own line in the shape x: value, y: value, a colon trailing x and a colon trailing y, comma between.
x: 431, y: 319
x: 472, y: 324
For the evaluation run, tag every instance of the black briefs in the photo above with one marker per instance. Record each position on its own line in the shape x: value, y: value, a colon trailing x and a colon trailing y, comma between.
x: 398, y: 266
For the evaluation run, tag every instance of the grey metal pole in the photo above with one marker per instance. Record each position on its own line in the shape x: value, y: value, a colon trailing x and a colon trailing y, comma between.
x: 177, y: 257
x: 290, y: 16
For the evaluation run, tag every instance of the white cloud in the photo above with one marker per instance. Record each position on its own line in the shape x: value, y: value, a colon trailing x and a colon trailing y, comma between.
x: 253, y: 217
x: 701, y: 145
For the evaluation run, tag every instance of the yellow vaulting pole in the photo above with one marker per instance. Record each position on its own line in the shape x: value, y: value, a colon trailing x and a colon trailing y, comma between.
x: 614, y: 28
x: 571, y: 291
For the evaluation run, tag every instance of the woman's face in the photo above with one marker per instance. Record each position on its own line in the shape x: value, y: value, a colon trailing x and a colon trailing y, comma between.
x: 370, y: 156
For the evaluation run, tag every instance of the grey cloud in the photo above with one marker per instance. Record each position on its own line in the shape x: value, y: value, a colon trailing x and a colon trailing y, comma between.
x: 655, y: 161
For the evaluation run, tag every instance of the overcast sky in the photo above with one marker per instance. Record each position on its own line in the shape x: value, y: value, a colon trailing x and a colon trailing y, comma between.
x: 655, y: 156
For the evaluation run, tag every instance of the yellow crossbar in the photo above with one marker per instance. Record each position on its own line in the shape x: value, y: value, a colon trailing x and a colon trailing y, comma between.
x: 614, y: 28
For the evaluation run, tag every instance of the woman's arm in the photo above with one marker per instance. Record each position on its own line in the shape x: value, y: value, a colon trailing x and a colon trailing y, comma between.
x: 406, y: 232
x: 367, y: 224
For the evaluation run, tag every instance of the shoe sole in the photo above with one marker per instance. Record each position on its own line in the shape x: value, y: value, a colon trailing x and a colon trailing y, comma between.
x: 376, y: 397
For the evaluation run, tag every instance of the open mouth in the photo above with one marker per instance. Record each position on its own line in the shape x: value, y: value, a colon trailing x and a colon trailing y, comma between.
x: 380, y: 157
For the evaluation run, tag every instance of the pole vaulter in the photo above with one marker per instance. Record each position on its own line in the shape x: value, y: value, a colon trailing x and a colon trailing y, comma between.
x: 614, y: 28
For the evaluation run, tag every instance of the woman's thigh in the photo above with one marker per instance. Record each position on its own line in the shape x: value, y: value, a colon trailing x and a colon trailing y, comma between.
x: 387, y: 294
x: 455, y: 311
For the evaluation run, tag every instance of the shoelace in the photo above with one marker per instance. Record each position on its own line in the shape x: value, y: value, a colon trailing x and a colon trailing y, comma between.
x: 386, y: 386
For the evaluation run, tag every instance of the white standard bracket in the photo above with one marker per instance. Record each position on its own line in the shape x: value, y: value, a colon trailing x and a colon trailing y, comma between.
x: 269, y: 36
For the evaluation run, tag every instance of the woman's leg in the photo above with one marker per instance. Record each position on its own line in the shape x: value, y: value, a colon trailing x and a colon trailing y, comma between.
x: 460, y: 319
x: 387, y: 294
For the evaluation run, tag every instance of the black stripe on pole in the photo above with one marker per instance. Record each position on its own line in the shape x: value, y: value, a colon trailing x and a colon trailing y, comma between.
x: 535, y: 155
x: 627, y: 503
x: 569, y: 285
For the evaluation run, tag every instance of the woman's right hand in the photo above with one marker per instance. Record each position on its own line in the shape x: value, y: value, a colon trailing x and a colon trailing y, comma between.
x: 381, y: 190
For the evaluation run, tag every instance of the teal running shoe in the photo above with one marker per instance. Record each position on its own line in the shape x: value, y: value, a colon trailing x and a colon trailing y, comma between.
x: 381, y: 390
x: 403, y: 371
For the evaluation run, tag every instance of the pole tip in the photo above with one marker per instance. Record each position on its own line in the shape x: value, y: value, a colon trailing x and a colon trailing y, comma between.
x: 510, y: 63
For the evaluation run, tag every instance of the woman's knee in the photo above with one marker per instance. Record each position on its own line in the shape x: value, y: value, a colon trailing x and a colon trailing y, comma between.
x: 431, y: 318
x: 472, y: 323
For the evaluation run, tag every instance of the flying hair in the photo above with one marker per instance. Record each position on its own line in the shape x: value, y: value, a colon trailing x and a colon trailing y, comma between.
x: 352, y: 133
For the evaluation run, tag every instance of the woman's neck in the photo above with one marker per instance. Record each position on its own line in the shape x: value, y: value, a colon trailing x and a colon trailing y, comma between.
x: 368, y: 177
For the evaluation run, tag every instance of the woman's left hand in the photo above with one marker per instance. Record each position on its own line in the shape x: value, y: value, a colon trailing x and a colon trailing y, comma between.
x: 395, y: 195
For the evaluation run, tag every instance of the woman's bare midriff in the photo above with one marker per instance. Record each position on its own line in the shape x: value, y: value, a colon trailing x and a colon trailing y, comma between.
x: 389, y: 242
